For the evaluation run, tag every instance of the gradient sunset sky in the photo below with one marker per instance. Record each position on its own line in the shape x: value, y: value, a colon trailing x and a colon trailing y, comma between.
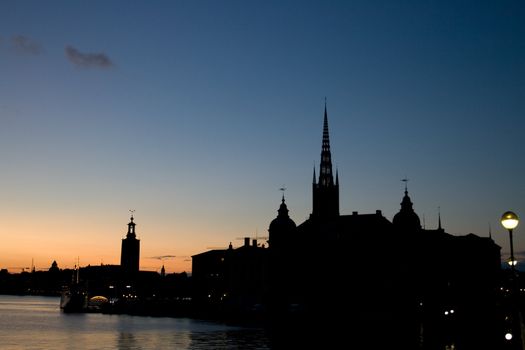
x: 195, y: 113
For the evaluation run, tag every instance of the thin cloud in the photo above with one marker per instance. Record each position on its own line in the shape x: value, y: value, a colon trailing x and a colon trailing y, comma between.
x: 88, y: 60
x: 25, y: 45
x: 162, y: 257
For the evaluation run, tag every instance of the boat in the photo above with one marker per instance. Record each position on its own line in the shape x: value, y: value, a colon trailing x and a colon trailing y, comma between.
x: 74, y: 298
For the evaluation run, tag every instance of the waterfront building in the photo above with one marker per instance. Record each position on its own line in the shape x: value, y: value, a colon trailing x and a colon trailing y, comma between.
x: 413, y: 286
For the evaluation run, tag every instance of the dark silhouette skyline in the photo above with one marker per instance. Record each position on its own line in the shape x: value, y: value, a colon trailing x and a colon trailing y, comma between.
x: 416, y: 287
x: 361, y: 273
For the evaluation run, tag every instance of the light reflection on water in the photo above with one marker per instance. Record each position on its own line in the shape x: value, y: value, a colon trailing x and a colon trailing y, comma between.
x: 37, y: 323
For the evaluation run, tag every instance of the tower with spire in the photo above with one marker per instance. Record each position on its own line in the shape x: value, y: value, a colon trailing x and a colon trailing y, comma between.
x: 325, y: 192
x: 130, y: 254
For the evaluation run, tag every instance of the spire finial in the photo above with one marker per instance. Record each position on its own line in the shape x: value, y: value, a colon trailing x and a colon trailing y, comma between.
x: 439, y: 219
x: 282, y: 189
x: 405, y: 180
x: 325, y: 112
x: 132, y: 211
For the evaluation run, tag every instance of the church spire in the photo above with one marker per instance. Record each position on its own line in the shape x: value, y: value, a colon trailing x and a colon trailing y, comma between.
x: 325, y: 191
x: 326, y: 177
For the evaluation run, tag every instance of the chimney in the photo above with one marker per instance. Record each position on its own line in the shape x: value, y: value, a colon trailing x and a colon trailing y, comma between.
x: 254, y: 243
x: 354, y: 213
x: 378, y: 212
x: 246, y: 241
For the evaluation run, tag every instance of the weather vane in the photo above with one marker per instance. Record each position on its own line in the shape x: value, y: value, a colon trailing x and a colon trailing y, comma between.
x: 132, y: 211
x: 405, y: 180
x: 282, y: 189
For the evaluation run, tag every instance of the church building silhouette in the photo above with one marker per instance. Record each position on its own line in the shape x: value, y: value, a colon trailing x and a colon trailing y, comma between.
x: 360, y: 276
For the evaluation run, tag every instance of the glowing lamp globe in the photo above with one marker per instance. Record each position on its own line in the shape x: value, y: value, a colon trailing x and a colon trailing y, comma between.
x: 509, y: 220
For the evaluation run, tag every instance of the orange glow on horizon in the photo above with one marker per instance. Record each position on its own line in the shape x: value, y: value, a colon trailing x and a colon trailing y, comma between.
x: 42, y: 240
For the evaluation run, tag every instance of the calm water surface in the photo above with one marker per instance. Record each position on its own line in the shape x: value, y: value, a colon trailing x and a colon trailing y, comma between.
x: 37, y: 323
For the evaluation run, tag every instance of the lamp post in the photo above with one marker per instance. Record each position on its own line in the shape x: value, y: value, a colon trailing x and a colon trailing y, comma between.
x: 510, y: 220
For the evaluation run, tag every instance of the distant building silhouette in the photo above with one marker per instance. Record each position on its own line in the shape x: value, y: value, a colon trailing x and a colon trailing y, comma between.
x: 130, y: 254
x: 388, y: 281
x: 236, y: 278
x: 54, y: 267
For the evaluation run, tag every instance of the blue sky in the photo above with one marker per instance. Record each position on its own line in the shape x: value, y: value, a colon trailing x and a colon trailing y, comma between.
x: 195, y: 113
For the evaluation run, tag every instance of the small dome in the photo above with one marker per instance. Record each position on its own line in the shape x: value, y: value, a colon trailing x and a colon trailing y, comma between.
x: 282, y: 222
x: 406, y: 218
x: 281, y: 228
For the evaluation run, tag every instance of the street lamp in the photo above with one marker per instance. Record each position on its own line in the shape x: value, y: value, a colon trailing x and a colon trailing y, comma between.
x: 510, y: 220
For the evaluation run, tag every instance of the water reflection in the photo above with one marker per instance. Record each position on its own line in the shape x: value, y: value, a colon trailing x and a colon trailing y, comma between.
x: 37, y: 323
x: 230, y: 339
x: 126, y: 341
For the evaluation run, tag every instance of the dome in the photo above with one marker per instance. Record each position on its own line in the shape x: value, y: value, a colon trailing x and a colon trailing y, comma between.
x: 281, y: 228
x: 406, y: 218
x: 282, y: 222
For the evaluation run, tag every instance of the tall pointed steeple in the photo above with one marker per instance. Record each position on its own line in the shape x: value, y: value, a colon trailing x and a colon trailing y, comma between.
x: 326, y: 177
x: 325, y: 191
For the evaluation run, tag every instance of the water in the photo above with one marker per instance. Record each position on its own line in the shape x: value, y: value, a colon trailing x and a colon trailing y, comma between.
x: 29, y: 322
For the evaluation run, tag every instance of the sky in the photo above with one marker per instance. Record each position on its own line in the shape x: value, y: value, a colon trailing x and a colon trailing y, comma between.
x: 195, y: 113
